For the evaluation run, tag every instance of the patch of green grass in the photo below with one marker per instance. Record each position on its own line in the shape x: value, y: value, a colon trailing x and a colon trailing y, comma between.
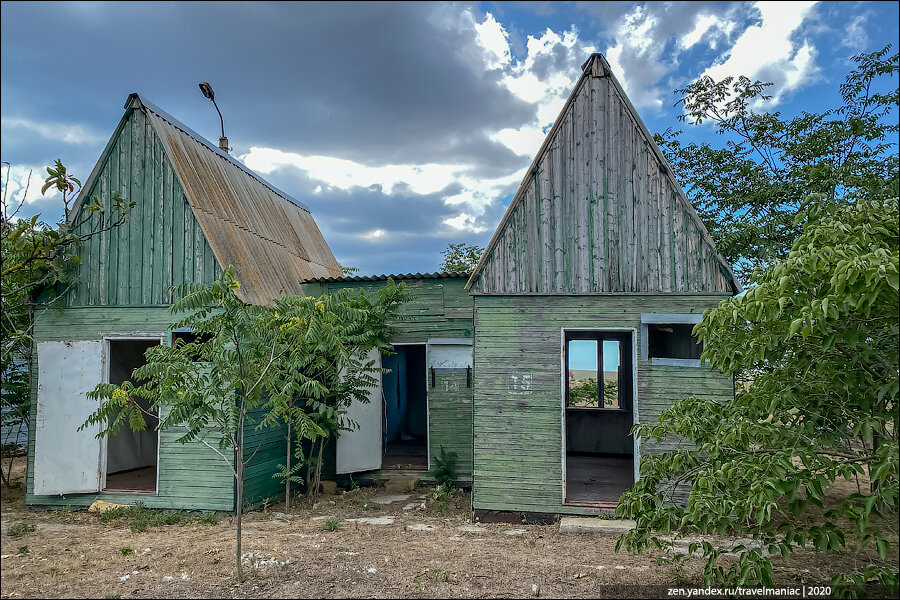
x: 19, y: 528
x: 439, y: 574
x: 126, y: 550
x: 23, y: 550
x: 209, y: 518
x: 140, y: 518
x: 332, y: 524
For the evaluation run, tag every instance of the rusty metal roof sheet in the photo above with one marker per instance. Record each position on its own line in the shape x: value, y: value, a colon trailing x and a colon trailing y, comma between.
x: 437, y: 275
x: 270, y: 238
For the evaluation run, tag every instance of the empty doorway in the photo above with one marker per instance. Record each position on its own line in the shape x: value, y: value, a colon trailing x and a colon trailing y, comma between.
x: 405, y: 413
x: 598, y: 416
x: 131, y: 456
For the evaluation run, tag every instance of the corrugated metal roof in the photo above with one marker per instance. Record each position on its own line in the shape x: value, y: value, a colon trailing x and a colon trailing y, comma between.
x: 270, y: 238
x: 437, y: 275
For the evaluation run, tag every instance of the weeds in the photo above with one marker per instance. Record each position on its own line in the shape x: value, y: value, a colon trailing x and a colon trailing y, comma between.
x: 440, y: 498
x: 19, y: 529
x: 439, y: 574
x: 23, y: 550
x: 126, y: 550
x: 332, y: 524
x: 140, y: 518
x: 445, y: 468
x: 209, y: 518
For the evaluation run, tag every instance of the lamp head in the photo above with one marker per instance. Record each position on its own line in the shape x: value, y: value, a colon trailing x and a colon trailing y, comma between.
x: 207, y: 90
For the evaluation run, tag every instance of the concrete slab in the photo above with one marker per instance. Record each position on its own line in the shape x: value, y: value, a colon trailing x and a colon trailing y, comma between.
x: 513, y: 532
x: 471, y: 528
x: 420, y: 527
x: 383, y: 500
x: 595, y: 525
x: 374, y: 520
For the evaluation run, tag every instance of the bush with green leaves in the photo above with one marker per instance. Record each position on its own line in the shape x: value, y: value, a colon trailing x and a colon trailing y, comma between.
x: 817, y: 334
x: 445, y: 468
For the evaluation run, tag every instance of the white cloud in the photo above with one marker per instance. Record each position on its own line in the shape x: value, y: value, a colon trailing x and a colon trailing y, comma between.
x: 703, y: 25
x: 494, y: 39
x: 25, y: 182
x: 855, y: 36
x: 56, y: 132
x: 769, y: 51
x: 476, y: 192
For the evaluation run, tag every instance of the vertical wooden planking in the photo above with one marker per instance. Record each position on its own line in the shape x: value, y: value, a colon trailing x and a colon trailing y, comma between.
x: 599, y: 161
x: 149, y: 231
x: 125, y: 231
x: 612, y: 195
x: 136, y: 230
x: 547, y: 256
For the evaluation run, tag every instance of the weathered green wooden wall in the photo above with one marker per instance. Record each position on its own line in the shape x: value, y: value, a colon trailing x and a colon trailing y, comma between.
x: 599, y: 210
x: 441, y: 308
x: 159, y: 245
x: 266, y: 447
x: 450, y: 421
x: 518, y: 394
x: 191, y: 476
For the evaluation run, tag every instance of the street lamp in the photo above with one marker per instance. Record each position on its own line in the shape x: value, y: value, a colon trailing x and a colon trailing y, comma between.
x: 209, y: 93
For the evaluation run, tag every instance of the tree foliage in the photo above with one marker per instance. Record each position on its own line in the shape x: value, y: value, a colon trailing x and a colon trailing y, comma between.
x: 301, y: 361
x: 36, y: 256
x: 749, y: 191
x: 462, y: 257
x: 817, y: 333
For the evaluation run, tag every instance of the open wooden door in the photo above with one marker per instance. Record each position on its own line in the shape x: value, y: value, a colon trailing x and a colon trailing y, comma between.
x: 67, y: 461
x: 360, y: 450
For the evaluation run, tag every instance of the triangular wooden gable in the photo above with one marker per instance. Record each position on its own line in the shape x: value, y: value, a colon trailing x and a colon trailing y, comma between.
x: 600, y: 211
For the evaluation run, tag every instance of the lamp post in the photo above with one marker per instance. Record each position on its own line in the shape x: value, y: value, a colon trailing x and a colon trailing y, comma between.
x: 209, y: 93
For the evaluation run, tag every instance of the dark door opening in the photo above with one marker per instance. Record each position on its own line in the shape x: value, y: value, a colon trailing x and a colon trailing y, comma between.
x: 131, y: 456
x: 599, y: 396
x: 405, y: 417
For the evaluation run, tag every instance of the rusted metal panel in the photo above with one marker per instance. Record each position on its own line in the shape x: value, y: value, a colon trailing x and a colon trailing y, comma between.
x: 271, y: 239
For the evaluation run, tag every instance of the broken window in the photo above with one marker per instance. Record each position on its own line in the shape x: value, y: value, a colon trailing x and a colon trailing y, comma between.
x: 598, y: 370
x: 673, y: 340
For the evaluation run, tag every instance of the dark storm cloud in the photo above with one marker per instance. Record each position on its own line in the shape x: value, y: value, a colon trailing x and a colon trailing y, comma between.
x: 414, y: 232
x: 375, y: 83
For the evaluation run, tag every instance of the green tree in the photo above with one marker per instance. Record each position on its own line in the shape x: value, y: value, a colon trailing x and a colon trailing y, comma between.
x: 749, y: 191
x: 325, y: 369
x: 461, y: 257
x: 36, y: 256
x: 818, y: 333
x: 295, y: 362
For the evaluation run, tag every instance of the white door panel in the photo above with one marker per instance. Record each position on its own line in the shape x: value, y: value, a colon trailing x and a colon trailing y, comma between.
x: 360, y: 449
x: 67, y: 461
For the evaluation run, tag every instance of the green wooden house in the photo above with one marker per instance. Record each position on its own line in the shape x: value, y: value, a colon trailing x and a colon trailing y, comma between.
x: 198, y: 210
x: 585, y: 299
x: 424, y: 404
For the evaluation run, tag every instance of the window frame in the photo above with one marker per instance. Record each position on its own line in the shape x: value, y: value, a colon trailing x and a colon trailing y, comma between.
x: 626, y: 367
x: 667, y: 319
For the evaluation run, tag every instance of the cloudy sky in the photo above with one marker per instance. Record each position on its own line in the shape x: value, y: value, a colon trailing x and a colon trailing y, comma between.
x: 403, y: 126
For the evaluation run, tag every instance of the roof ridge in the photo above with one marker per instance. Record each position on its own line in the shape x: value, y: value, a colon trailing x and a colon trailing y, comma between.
x: 206, y: 143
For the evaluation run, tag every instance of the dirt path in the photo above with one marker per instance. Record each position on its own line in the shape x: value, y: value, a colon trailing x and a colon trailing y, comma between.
x: 418, y: 553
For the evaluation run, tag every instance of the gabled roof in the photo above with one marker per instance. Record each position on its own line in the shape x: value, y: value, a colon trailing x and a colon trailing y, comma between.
x: 270, y: 238
x: 600, y: 210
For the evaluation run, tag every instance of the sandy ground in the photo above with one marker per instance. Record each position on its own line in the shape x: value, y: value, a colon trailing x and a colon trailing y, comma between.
x: 422, y: 553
